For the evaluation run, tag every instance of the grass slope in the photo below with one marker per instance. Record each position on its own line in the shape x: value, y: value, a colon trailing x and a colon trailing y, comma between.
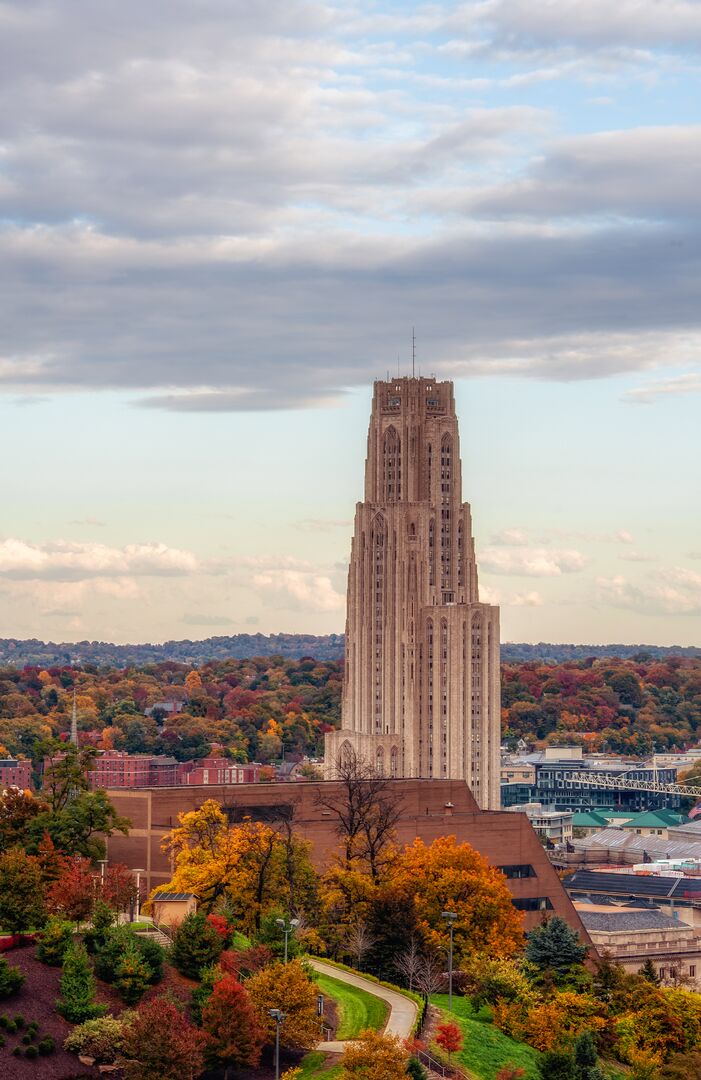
x: 485, y: 1048
x: 357, y: 1009
x: 317, y: 1064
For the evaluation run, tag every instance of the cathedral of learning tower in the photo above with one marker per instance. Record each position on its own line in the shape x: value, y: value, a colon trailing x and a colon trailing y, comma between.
x: 421, y: 689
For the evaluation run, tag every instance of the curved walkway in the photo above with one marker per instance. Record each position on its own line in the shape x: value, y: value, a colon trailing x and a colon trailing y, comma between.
x: 402, y: 1010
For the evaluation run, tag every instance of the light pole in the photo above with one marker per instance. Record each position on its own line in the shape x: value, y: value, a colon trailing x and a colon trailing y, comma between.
x: 138, y: 891
x: 450, y: 917
x: 287, y: 929
x: 278, y: 1016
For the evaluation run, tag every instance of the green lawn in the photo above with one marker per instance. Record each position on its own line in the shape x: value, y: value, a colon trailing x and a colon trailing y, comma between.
x: 357, y: 1009
x: 485, y: 1048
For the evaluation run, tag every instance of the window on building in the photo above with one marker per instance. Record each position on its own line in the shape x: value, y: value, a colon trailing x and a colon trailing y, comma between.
x: 517, y: 870
x: 532, y: 903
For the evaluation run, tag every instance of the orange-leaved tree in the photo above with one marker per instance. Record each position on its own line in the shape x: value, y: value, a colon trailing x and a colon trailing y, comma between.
x: 252, y: 864
x: 286, y: 987
x: 374, y: 1057
x: 229, y: 1018
x: 449, y: 1038
x: 447, y: 876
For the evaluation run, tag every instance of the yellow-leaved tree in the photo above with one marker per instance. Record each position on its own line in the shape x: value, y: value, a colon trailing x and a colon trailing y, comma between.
x: 286, y: 987
x: 373, y: 1056
x: 255, y: 866
x: 447, y: 876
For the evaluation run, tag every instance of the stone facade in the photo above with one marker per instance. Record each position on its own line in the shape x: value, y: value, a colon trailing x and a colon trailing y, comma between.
x: 421, y: 694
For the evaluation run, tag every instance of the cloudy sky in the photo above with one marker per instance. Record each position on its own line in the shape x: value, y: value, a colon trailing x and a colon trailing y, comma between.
x: 219, y: 221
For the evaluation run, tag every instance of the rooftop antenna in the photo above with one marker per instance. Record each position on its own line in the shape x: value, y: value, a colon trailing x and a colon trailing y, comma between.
x: 413, y: 353
x: 74, y: 722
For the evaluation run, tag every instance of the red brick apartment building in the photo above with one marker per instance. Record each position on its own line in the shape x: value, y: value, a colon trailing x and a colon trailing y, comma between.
x: 15, y: 773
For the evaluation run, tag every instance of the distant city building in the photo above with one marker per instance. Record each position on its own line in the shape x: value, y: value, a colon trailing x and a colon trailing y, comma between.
x: 421, y: 692
x: 553, y: 787
x: 116, y: 769
x: 552, y: 825
x: 15, y: 773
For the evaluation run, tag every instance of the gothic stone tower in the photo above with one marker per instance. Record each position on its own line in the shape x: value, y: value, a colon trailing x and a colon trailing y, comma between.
x: 421, y: 691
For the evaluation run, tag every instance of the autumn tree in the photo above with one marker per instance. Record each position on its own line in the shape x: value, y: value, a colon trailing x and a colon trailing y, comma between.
x: 365, y: 810
x: 449, y: 1038
x: 229, y: 1018
x: 74, y: 892
x: 251, y: 863
x: 17, y: 811
x: 289, y: 988
x: 159, y: 1043
x: 21, y: 892
x: 447, y: 876
x: 373, y: 1056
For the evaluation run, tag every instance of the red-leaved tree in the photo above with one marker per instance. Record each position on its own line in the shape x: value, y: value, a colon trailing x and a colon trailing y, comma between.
x: 73, y: 893
x: 118, y: 887
x: 159, y: 1042
x: 449, y: 1038
x: 235, y: 1035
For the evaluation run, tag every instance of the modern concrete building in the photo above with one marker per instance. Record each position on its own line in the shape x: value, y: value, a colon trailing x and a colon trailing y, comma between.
x: 632, y: 934
x: 421, y: 694
x: 553, y: 826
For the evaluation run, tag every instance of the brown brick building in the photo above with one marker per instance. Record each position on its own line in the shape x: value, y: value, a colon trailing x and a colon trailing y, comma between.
x: 431, y: 808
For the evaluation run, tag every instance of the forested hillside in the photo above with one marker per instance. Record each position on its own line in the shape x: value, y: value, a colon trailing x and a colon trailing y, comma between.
x: 290, y: 646
x: 257, y: 709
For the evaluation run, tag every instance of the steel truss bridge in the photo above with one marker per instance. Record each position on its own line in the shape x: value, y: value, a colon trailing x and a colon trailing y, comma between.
x: 627, y: 783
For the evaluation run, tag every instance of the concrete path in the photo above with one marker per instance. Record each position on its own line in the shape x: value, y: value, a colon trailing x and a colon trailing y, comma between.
x: 402, y: 1010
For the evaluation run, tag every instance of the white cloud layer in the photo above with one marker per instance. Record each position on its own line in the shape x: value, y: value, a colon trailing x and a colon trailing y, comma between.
x: 531, y: 562
x: 673, y: 591
x: 64, y: 560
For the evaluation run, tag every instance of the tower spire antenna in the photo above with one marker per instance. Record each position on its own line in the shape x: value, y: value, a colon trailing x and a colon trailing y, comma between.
x: 413, y: 353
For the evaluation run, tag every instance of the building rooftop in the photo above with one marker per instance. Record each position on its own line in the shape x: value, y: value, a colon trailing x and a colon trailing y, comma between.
x: 618, y: 920
x: 632, y: 885
x: 586, y: 819
x: 172, y: 896
x: 629, y: 843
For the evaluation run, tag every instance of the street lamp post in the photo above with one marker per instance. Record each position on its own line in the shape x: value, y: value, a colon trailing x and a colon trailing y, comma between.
x: 287, y: 929
x: 450, y: 917
x: 278, y: 1016
x: 138, y: 890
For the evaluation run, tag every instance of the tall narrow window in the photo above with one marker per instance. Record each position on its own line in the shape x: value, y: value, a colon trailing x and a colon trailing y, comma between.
x: 392, y: 463
x: 379, y: 558
x: 446, y: 523
x: 432, y: 552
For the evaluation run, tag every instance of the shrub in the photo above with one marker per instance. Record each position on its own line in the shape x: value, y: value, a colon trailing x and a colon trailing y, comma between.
x: 101, y: 1039
x: 10, y: 1027
x: 77, y: 1000
x: 2, y: 1041
x: 160, y: 1043
x: 109, y: 952
x: 17, y: 1051
x: 26, y: 1039
x: 46, y: 1046
x: 54, y: 941
x: 416, y: 1070
x: 31, y: 1052
x: 11, y: 979
x: 133, y: 975
x: 20, y: 1021
x: 4, y: 1020
x: 196, y: 945
x: 153, y: 954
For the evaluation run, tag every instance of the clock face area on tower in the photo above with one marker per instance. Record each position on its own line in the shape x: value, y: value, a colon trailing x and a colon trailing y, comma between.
x: 421, y: 694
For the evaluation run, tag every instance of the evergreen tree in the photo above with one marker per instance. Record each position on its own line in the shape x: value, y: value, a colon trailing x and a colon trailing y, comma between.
x: 103, y: 919
x: 557, y: 1065
x: 54, y: 941
x: 133, y: 975
x: 196, y: 945
x: 586, y: 1058
x: 415, y: 1070
x: 77, y: 1000
x: 554, y: 946
x: 648, y: 972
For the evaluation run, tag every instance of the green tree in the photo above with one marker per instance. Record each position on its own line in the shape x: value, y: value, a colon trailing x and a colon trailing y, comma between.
x: 554, y: 946
x: 586, y: 1058
x: 54, y: 941
x: 557, y: 1065
x: 77, y: 1000
x: 21, y: 892
x: 196, y: 945
x: 133, y: 975
x: 78, y: 827
x: 649, y: 972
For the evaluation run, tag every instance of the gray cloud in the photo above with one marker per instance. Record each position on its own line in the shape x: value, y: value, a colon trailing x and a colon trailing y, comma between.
x: 207, y: 620
x: 234, y: 207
